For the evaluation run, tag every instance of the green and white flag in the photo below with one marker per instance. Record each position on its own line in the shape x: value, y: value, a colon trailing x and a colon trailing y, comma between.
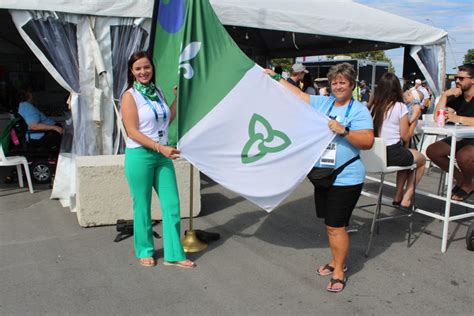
x: 234, y: 123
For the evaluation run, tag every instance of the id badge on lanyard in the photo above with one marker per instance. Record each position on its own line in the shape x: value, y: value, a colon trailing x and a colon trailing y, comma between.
x: 328, y: 158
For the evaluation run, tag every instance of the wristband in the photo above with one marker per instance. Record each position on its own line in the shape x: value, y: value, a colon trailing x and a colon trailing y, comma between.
x: 277, y: 77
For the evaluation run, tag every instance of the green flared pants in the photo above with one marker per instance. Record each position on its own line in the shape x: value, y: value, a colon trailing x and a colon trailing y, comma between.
x: 146, y: 169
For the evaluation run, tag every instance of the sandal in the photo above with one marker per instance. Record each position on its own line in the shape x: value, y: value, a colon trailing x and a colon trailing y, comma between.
x: 147, y: 261
x: 180, y: 264
x: 333, y: 281
x: 461, y: 195
x: 327, y: 270
x: 455, y: 189
x: 396, y: 203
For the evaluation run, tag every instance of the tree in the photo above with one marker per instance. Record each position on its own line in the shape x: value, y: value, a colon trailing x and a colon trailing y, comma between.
x: 285, y: 63
x: 376, y: 55
x: 469, y: 57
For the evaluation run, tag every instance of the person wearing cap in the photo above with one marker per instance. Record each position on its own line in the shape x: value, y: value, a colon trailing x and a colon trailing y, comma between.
x: 297, y: 74
x: 364, y: 92
x: 459, y: 102
x: 426, y: 95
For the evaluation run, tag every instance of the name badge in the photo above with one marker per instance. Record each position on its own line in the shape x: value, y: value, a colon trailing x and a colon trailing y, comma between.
x: 328, y: 157
x: 163, y: 137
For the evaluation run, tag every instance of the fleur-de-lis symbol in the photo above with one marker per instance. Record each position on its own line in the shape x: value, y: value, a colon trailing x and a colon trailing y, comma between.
x: 188, y: 53
x: 263, y: 140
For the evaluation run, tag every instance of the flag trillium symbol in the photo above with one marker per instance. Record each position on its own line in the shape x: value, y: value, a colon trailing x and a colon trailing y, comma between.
x: 263, y: 140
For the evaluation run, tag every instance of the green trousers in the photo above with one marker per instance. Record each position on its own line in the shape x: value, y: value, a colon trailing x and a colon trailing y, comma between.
x: 146, y: 169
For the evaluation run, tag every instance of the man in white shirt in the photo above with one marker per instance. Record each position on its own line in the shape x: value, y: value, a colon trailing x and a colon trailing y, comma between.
x: 426, y: 95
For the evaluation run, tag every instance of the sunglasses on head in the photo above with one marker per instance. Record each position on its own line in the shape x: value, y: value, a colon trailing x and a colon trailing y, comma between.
x: 460, y: 78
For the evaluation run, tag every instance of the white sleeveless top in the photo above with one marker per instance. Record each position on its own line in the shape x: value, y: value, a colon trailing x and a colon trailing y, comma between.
x: 147, y: 123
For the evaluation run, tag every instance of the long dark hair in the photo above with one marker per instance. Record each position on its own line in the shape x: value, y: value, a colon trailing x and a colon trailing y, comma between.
x: 136, y: 56
x: 388, y: 93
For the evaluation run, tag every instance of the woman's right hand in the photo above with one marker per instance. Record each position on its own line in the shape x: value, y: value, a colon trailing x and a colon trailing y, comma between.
x: 169, y: 152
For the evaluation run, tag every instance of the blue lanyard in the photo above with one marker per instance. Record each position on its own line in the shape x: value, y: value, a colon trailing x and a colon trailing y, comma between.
x: 160, y: 102
x: 347, y: 110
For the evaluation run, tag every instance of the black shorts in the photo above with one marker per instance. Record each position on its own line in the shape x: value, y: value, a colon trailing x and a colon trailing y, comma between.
x: 336, y: 204
x: 461, y: 143
x: 397, y: 155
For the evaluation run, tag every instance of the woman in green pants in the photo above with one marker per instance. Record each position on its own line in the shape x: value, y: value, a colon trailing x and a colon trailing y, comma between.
x: 148, y: 164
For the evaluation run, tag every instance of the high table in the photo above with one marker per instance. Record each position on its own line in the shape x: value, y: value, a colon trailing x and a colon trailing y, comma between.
x: 457, y: 132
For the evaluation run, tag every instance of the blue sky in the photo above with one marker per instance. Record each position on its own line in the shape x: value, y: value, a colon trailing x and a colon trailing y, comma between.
x: 456, y: 17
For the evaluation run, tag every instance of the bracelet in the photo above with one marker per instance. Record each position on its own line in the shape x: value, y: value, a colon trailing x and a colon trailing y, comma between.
x: 156, y: 147
x: 277, y: 77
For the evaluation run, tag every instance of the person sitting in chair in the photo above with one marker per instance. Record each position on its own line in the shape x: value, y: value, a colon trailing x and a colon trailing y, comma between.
x: 46, y: 130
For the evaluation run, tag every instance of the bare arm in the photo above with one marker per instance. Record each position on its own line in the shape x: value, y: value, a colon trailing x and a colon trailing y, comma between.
x: 361, y: 139
x: 415, y: 115
x: 173, y: 105
x: 130, y: 121
x: 404, y: 129
x: 300, y: 94
x: 45, y: 127
x: 444, y: 98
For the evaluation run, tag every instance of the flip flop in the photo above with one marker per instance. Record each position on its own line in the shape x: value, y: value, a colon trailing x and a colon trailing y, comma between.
x: 328, y: 270
x: 336, y: 281
x: 180, y: 264
x: 147, y: 261
x: 463, y: 195
x: 455, y: 189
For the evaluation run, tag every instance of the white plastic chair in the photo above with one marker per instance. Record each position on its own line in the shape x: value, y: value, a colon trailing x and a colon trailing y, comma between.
x: 17, y: 161
x: 375, y: 161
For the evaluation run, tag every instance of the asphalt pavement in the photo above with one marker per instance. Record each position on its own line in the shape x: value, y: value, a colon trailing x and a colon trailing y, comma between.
x: 264, y: 264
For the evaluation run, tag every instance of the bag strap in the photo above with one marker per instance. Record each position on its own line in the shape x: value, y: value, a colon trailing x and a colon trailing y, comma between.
x: 339, y: 170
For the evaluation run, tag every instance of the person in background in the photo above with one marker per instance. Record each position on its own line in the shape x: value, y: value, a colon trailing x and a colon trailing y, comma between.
x: 364, y: 93
x: 459, y: 102
x: 412, y: 98
x: 45, y: 130
x: 426, y: 96
x: 308, y: 84
x: 148, y: 163
x: 390, y: 116
x: 351, y: 122
x: 297, y: 74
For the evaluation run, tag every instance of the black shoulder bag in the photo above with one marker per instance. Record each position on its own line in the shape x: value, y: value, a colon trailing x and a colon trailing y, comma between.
x: 323, y: 178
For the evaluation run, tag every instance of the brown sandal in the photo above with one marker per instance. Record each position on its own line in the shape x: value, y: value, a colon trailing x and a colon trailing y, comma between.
x: 147, y: 261
x: 180, y: 264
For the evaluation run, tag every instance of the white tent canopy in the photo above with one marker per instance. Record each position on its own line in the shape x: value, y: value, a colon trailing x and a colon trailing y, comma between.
x: 270, y: 28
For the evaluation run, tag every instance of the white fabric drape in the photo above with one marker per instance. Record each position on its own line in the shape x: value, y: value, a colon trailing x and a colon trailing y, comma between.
x: 77, y: 51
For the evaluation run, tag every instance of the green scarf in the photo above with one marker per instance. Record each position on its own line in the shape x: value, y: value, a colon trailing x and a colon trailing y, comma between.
x: 148, y: 90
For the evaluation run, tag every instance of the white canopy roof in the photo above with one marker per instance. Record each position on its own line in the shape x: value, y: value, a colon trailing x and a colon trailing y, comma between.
x: 339, y: 18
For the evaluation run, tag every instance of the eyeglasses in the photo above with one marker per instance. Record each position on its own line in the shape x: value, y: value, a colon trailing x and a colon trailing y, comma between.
x: 461, y: 78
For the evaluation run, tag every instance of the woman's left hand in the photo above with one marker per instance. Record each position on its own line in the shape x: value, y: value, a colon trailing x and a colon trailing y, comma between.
x: 336, y: 127
x: 169, y: 152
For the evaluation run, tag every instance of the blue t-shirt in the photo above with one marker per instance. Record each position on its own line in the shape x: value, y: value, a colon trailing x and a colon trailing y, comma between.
x: 357, y: 119
x: 32, y: 115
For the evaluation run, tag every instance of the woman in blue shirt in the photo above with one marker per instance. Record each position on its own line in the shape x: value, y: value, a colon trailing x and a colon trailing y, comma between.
x: 350, y: 120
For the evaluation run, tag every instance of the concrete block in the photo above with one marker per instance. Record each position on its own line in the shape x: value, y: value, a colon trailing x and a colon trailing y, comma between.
x: 103, y: 196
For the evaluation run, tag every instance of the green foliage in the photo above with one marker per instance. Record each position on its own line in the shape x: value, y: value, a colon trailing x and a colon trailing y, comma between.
x: 285, y: 63
x: 376, y: 55
x: 469, y: 57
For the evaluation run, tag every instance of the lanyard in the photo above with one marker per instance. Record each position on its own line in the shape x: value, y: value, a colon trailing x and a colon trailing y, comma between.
x: 347, y: 110
x: 160, y: 102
